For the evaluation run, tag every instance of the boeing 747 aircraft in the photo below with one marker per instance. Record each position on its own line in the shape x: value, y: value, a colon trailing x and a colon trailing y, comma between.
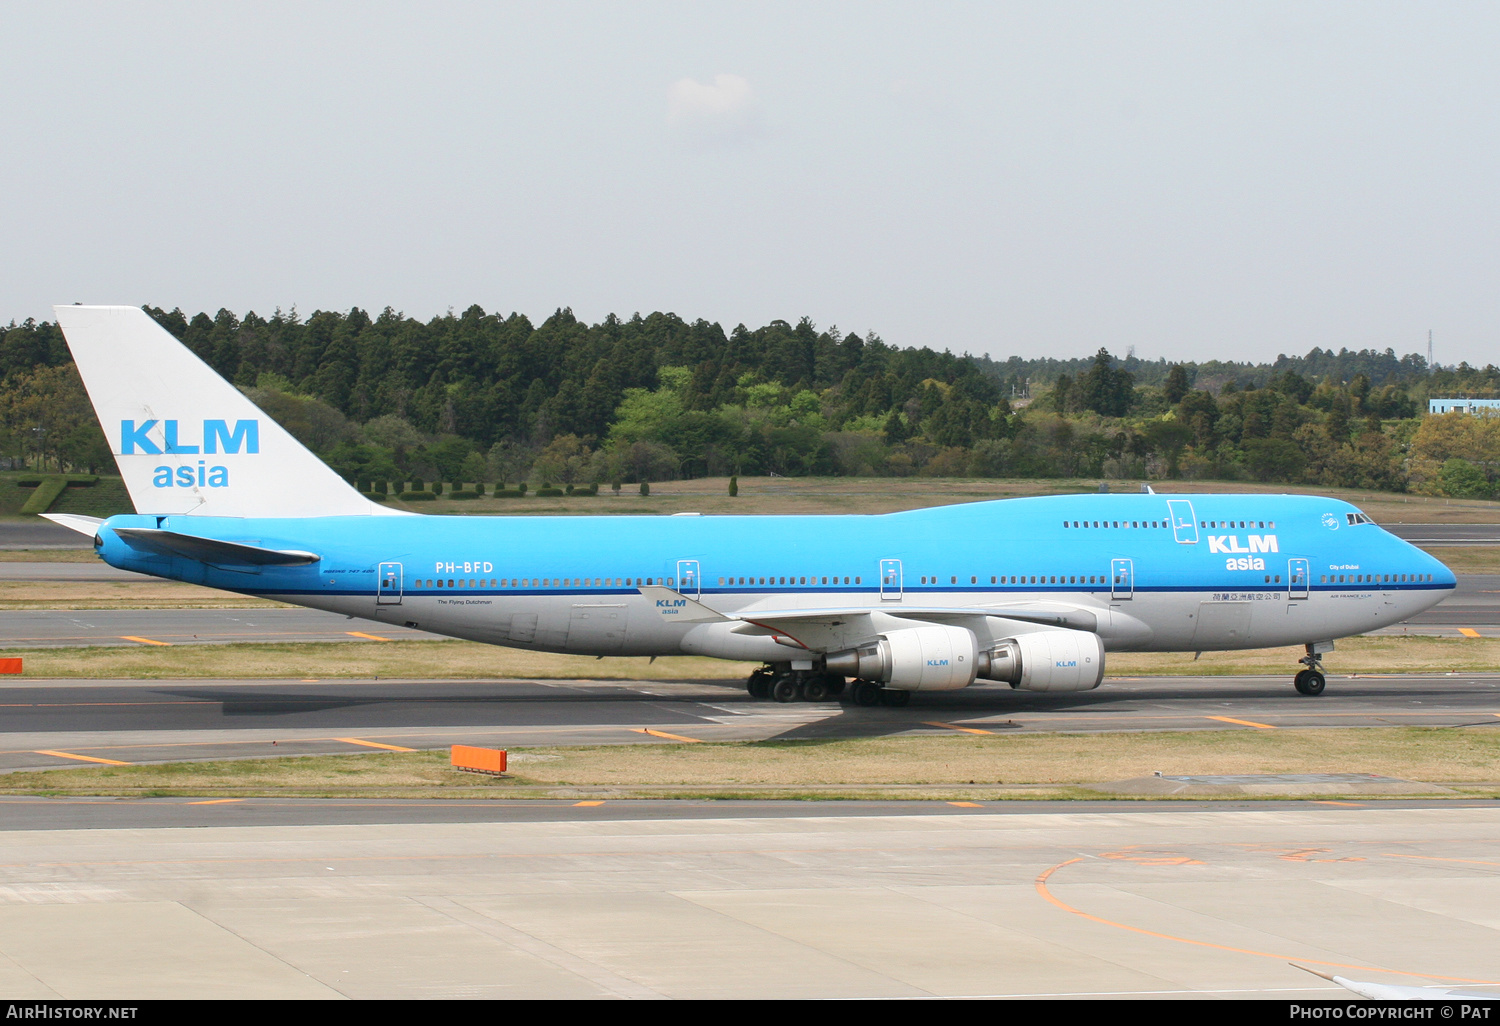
x: 1028, y: 592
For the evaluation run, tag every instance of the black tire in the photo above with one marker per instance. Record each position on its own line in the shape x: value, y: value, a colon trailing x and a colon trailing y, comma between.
x: 865, y: 693
x: 894, y: 697
x: 785, y: 689
x: 815, y: 689
x: 1309, y: 682
x: 835, y: 683
x: 759, y: 687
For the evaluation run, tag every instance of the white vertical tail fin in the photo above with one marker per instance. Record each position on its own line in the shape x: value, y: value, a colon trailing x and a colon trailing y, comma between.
x: 186, y: 440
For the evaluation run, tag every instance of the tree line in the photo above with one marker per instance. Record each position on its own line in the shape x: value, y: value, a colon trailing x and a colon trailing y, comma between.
x: 480, y: 396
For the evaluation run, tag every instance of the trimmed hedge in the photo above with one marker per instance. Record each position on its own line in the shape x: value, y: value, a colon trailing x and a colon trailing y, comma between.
x: 416, y: 497
x: 549, y: 493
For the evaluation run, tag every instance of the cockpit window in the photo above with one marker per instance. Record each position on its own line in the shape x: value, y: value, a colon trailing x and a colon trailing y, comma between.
x: 1357, y: 518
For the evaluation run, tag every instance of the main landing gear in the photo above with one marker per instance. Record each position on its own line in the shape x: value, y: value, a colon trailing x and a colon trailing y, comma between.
x: 787, y: 685
x: 1311, y: 681
x: 783, y: 684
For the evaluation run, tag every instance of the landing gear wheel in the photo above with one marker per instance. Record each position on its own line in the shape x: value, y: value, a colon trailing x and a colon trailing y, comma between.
x: 759, y: 684
x: 894, y: 697
x: 835, y: 683
x: 785, y: 689
x: 865, y: 693
x: 815, y: 689
x: 1309, y: 682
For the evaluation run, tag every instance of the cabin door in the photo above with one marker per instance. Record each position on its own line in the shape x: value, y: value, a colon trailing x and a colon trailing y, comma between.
x: 890, y: 580
x: 687, y: 578
x: 1297, y: 583
x: 1121, y: 579
x: 1184, y: 524
x: 388, y: 591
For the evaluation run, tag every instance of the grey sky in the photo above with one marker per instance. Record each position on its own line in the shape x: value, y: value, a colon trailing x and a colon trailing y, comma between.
x: 1206, y: 180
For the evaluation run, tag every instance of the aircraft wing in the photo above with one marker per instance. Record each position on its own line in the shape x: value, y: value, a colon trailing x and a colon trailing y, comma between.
x: 673, y: 605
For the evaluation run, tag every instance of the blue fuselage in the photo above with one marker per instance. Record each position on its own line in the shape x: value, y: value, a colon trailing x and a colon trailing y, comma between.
x: 1160, y: 572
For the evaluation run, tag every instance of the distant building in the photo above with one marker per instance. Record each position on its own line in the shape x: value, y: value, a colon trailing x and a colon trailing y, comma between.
x: 1462, y: 405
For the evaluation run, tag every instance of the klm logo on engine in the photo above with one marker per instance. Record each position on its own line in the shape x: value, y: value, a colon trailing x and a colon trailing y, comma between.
x: 1063, y: 664
x: 136, y: 438
x: 216, y: 437
x: 937, y: 662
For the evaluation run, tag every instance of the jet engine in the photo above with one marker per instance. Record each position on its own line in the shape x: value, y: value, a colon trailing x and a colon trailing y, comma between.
x: 1053, y: 660
x: 935, y: 657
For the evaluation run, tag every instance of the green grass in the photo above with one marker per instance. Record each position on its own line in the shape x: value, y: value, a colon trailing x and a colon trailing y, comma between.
x: 958, y: 767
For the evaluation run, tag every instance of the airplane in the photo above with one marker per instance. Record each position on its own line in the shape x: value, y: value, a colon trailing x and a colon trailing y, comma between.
x: 1029, y: 592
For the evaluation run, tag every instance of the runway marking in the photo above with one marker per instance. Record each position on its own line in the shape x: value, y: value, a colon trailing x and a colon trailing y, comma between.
x: 967, y: 805
x: 373, y: 744
x: 215, y: 801
x: 1438, y: 858
x: 1041, y: 886
x: 662, y: 733
x: 81, y: 758
x: 1469, y: 632
x: 362, y: 634
x: 951, y: 726
x: 582, y: 805
x: 1243, y: 723
x: 145, y: 641
x: 1352, y: 805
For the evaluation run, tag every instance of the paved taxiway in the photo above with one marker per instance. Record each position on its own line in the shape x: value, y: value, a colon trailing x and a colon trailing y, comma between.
x: 49, y: 724
x: 802, y: 900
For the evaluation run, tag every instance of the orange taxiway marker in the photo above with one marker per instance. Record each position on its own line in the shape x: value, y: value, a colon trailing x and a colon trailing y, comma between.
x: 362, y: 634
x: 373, y: 744
x: 81, y: 758
x: 954, y: 726
x: 145, y: 641
x: 1242, y: 723
x: 662, y: 733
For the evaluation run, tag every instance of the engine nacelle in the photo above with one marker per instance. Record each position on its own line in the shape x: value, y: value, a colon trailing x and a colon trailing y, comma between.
x: 1056, y: 660
x: 935, y: 657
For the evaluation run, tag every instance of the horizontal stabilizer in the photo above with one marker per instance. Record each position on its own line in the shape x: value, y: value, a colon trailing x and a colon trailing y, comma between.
x: 211, y: 550
x: 76, y: 522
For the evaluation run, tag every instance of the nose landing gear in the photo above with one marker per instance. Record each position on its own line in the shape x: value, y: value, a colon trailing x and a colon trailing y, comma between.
x: 1311, y: 680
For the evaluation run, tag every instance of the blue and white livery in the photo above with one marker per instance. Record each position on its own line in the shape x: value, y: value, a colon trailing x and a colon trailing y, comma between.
x: 1030, y: 592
